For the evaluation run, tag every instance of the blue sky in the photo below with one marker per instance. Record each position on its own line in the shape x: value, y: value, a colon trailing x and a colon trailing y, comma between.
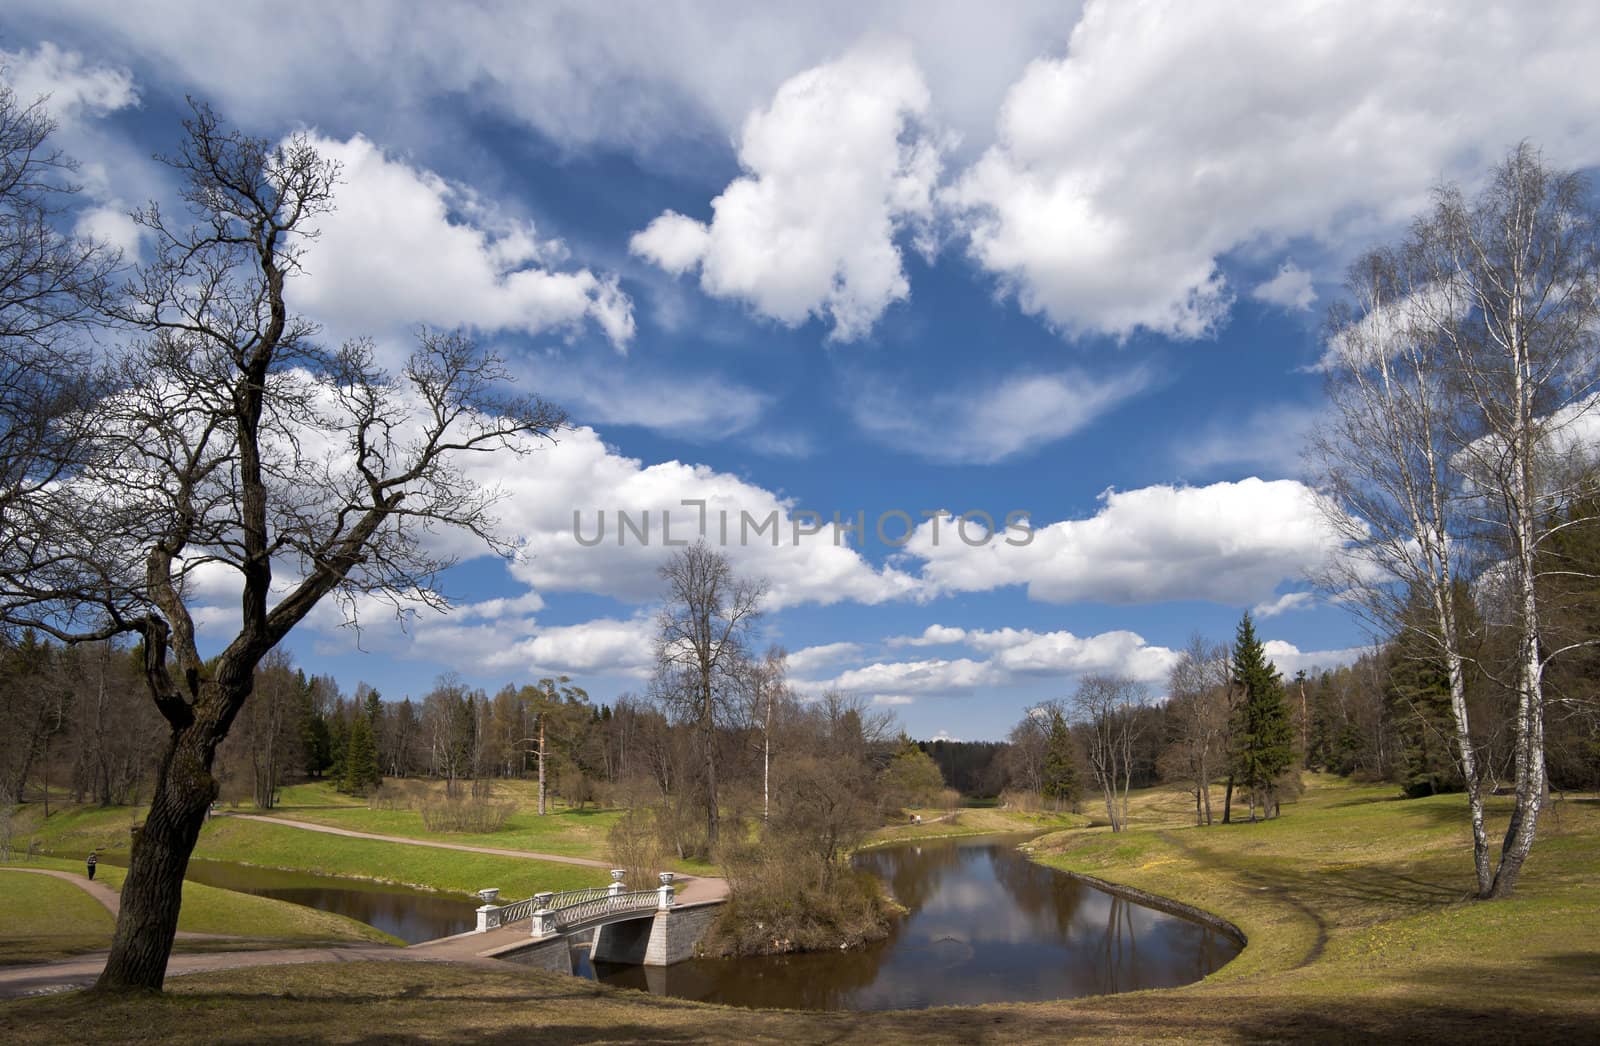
x: 1071, y: 262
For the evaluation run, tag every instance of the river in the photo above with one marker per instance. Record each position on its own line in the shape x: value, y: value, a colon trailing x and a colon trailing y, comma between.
x: 985, y: 924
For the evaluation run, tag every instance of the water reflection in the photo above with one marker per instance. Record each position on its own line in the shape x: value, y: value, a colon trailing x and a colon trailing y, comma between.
x: 411, y: 915
x: 985, y: 925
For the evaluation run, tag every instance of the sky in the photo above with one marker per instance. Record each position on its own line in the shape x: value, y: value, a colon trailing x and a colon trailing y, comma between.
x: 1031, y: 296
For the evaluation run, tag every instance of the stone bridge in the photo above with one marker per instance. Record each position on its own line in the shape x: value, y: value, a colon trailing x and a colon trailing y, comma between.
x: 645, y: 927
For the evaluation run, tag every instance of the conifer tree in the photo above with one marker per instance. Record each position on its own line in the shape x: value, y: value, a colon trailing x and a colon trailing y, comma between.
x: 1263, y: 738
x: 361, y: 773
x: 1060, y: 777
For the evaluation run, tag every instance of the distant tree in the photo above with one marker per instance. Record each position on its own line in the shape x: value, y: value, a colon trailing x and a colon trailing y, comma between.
x: 1197, y: 707
x: 1110, y: 708
x: 702, y: 638
x: 1060, y: 773
x: 1263, y: 738
x: 912, y: 778
x: 361, y: 773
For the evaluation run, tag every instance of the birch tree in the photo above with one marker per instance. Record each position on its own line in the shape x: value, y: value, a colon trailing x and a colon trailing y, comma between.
x: 1385, y: 463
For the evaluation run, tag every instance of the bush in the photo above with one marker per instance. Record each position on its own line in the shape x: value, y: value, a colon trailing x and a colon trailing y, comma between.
x: 475, y: 814
x: 635, y: 847
x: 787, y: 900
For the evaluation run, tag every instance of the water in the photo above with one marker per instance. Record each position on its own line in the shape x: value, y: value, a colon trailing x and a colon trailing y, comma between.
x: 411, y: 915
x: 985, y: 925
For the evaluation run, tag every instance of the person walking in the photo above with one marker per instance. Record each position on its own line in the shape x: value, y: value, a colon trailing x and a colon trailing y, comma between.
x: 93, y: 860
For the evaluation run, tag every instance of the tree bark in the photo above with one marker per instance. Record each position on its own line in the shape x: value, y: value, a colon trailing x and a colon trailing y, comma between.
x: 1227, y: 802
x: 153, y: 890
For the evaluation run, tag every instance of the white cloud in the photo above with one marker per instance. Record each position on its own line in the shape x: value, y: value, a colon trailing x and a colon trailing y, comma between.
x: 1170, y: 134
x: 692, y: 406
x: 838, y: 166
x: 809, y: 659
x: 581, y: 474
x: 1227, y: 543
x: 404, y: 246
x: 1019, y: 414
x: 1290, y: 659
x: 1289, y: 289
x: 76, y: 89
x: 1014, y: 658
x: 1284, y: 603
x: 933, y: 635
x: 892, y: 699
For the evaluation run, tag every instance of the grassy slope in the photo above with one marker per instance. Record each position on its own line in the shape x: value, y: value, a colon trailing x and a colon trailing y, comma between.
x: 979, y: 821
x: 565, y: 831
x: 43, y: 918
x: 207, y: 909
x: 1352, y: 901
x: 451, y: 871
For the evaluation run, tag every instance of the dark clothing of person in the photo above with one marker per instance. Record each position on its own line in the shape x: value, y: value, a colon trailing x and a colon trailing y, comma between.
x: 92, y: 862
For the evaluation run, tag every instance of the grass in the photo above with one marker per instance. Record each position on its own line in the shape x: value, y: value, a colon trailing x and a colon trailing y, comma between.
x: 426, y: 867
x: 565, y: 830
x: 1354, y: 904
x: 973, y: 821
x: 206, y: 909
x: 42, y: 918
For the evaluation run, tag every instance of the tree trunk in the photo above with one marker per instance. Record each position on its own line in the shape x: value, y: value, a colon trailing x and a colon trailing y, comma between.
x: 1227, y: 802
x: 153, y: 890
x: 541, y: 767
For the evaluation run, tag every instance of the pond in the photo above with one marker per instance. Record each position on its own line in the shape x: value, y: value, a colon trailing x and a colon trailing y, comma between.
x: 411, y: 915
x: 985, y: 924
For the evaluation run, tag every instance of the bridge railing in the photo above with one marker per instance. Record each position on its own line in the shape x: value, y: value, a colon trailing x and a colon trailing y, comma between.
x: 573, y: 915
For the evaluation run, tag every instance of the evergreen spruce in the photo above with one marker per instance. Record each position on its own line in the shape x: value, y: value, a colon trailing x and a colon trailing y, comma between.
x: 1060, y: 769
x: 1263, y: 736
x: 361, y: 774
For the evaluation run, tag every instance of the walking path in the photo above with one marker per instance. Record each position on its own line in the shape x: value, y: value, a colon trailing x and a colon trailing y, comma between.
x: 80, y: 972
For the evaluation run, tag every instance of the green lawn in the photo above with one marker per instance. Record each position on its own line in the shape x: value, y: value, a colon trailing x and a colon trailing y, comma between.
x: 43, y: 918
x: 565, y: 831
x: 450, y: 871
x: 1353, y: 903
x: 207, y: 909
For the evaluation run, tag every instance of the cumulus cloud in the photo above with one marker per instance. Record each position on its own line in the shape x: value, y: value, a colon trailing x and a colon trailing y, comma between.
x: 73, y: 87
x: 838, y: 166
x: 1290, y: 659
x: 803, y: 561
x: 1170, y: 134
x: 1019, y: 414
x: 809, y: 659
x: 404, y: 246
x: 1289, y: 289
x: 1013, y: 657
x: 933, y: 635
x: 1227, y: 543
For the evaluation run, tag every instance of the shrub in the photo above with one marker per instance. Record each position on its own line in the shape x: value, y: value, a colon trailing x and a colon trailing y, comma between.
x: 785, y: 899
x: 475, y: 814
x: 635, y: 847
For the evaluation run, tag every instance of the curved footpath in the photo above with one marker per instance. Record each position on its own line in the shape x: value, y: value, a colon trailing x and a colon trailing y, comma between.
x: 471, y: 948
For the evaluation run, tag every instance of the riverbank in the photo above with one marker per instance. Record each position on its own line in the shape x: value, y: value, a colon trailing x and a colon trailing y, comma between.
x: 1352, y: 903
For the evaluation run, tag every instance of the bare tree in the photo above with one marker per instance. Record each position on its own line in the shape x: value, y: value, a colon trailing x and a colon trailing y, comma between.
x: 1197, y: 706
x: 702, y: 637
x: 232, y: 443
x: 50, y: 288
x: 1109, y: 708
